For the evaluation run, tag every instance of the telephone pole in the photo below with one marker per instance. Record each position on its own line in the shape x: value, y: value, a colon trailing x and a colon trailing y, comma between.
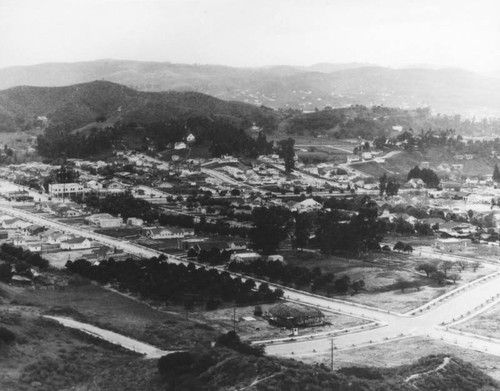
x: 331, y: 354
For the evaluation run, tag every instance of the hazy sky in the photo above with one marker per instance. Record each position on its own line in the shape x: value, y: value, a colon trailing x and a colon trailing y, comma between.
x: 461, y: 33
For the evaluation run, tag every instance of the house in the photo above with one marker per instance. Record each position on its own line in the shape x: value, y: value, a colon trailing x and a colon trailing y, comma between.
x: 15, y: 224
x: 104, y: 220
x: 416, y: 183
x: 94, y: 185
x: 134, y: 221
x: 366, y: 155
x: 245, y: 257
x: 451, y: 244
x: 190, y: 138
x: 308, y: 205
x: 57, y: 238
x: 291, y: 315
x: 76, y: 244
x: 164, y: 233
x: 65, y: 211
x: 180, y: 145
x: 34, y: 229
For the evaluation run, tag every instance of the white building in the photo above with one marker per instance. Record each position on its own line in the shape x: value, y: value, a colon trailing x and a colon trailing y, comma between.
x: 165, y: 233
x: 62, y: 189
x: 76, y: 244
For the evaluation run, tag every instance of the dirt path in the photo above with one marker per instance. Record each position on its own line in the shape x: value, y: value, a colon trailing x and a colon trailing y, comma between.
x: 416, y: 376
x: 114, y: 338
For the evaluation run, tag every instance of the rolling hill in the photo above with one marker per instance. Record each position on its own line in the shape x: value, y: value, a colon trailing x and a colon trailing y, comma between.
x: 78, y: 105
x: 449, y: 91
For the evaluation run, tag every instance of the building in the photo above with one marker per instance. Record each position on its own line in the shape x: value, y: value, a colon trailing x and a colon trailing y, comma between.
x: 452, y: 244
x: 76, y: 244
x: 104, y: 220
x: 134, y: 221
x: 164, y: 233
x: 245, y: 257
x: 65, y: 189
x: 292, y: 315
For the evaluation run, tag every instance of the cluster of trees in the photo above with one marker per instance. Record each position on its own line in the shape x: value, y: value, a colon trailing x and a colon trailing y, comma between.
x: 402, y: 247
x: 338, y: 231
x: 389, y: 186
x: 286, y: 151
x: 57, y: 141
x: 426, y: 174
x: 300, y: 277
x: 176, y: 284
x: 271, y: 226
x: 123, y: 205
x: 441, y: 272
x: 22, y: 260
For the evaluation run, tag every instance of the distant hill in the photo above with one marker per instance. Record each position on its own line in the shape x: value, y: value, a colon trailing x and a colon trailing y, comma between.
x: 78, y: 105
x: 450, y: 91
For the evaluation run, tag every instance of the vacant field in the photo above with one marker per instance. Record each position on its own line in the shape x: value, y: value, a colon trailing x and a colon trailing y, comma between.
x: 103, y: 308
x: 485, y: 324
x: 406, y: 351
x: 260, y: 329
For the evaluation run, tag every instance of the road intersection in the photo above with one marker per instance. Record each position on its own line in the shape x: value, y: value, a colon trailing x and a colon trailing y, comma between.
x: 434, y: 320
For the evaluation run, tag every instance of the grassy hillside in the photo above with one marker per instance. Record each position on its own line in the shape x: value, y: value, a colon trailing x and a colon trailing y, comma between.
x: 78, y: 105
x: 449, y: 91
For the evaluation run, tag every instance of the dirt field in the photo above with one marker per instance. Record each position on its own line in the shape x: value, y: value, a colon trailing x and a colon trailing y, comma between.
x: 381, y: 271
x: 260, y: 329
x: 398, y: 352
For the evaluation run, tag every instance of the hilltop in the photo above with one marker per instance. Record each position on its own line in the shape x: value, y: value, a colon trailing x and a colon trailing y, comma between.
x: 78, y: 105
x: 449, y: 91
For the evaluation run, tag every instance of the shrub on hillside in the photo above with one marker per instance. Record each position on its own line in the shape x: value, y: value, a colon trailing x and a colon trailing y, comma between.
x: 6, y: 336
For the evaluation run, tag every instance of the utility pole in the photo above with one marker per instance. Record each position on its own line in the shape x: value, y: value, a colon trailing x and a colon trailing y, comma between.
x: 331, y: 354
x: 234, y: 319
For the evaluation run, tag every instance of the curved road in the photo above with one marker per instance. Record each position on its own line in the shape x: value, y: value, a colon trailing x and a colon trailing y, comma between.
x: 464, y: 303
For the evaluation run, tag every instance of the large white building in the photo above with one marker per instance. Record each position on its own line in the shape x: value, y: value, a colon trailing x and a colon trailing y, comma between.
x: 64, y: 189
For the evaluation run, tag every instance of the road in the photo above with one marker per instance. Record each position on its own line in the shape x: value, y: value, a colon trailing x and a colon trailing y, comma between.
x: 114, y: 338
x: 434, y: 321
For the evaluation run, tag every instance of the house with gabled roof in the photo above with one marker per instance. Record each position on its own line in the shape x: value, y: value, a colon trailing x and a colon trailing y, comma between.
x: 76, y: 244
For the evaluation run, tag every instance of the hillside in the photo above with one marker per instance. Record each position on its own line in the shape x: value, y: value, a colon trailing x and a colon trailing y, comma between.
x: 78, y: 105
x: 447, y: 91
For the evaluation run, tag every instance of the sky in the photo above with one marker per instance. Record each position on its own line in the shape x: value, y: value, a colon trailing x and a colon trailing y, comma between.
x: 395, y: 33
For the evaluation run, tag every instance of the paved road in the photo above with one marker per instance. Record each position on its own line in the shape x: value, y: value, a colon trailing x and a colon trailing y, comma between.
x: 114, y: 338
x: 465, y: 303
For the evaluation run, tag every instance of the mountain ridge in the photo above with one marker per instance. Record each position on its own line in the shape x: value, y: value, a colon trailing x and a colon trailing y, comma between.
x: 445, y: 90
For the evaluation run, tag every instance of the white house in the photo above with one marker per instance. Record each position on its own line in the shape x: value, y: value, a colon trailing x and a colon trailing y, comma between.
x: 180, y: 145
x: 190, y: 138
x: 245, y: 257
x: 76, y: 244
x: 164, y: 233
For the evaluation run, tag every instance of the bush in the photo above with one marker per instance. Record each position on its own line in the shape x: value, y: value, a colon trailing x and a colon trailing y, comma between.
x: 6, y: 336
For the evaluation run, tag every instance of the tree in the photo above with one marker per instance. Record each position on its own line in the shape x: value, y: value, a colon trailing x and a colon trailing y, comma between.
x: 399, y: 246
x: 445, y: 266
x: 5, y: 272
x: 408, y: 249
x: 439, y: 277
x: 496, y: 173
x: 454, y: 277
x: 286, y: 151
x: 303, y: 227
x: 272, y: 226
x: 403, y: 284
x: 462, y: 265
x: 382, y: 184
x: 427, y: 268
x: 392, y: 187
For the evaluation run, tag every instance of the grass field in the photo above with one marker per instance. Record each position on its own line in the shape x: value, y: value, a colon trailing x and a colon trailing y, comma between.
x: 485, y: 324
x: 380, y: 272
x: 103, y: 308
